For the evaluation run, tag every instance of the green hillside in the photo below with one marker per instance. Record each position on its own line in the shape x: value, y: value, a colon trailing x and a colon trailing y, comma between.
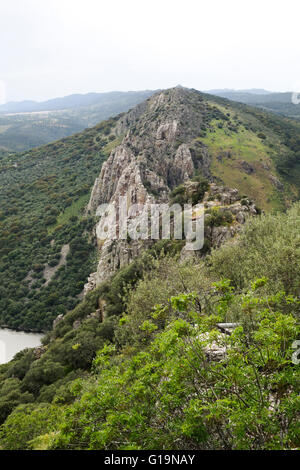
x: 267, y: 143
x: 42, y: 197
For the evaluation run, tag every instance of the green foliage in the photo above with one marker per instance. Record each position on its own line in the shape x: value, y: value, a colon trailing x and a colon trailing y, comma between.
x: 178, y: 195
x: 11, y: 394
x: 26, y: 423
x: 192, y: 194
x: 218, y: 217
x: 170, y: 396
x: 168, y: 278
x: 70, y: 350
x: 279, y: 103
x: 268, y: 247
x: 261, y: 135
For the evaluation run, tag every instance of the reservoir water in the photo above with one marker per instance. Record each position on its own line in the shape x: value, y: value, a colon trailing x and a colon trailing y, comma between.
x: 11, y: 342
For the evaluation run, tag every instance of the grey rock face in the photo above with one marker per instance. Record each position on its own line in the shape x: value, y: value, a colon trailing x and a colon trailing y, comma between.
x: 183, y: 163
x: 155, y: 153
x: 91, y: 284
x: 153, y: 157
x: 224, y: 195
x: 159, y: 151
x: 95, y: 196
x: 167, y: 131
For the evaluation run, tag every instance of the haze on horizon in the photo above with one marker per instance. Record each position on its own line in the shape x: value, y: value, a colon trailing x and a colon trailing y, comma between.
x: 60, y: 47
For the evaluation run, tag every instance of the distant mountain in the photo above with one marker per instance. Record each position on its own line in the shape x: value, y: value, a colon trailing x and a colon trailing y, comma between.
x: 252, y: 91
x: 67, y: 102
x: 18, y: 107
x: 51, y: 120
x: 279, y: 103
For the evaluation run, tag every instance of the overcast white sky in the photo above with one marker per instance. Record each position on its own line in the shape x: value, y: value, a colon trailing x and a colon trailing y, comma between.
x: 51, y: 48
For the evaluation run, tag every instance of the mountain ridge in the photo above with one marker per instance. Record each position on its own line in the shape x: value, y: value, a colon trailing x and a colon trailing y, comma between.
x: 251, y: 91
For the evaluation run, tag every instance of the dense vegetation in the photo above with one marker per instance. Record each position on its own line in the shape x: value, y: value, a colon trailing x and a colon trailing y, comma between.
x: 42, y: 197
x: 147, y: 377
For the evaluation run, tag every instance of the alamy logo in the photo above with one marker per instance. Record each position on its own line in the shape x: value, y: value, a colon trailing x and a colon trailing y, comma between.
x: 296, y: 98
x: 151, y: 222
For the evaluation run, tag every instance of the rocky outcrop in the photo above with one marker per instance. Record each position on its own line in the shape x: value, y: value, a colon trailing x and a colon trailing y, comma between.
x: 57, y: 320
x: 220, y: 193
x: 39, y: 351
x: 183, y: 163
x: 225, y: 213
x: 95, y: 196
x: 160, y: 150
x: 216, y: 350
x: 153, y: 157
x: 91, y: 284
x: 167, y: 131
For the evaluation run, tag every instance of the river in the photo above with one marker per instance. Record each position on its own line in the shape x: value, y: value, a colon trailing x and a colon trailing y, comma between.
x: 12, y: 342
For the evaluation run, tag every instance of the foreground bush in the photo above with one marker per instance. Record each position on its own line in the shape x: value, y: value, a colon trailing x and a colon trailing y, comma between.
x: 174, y: 395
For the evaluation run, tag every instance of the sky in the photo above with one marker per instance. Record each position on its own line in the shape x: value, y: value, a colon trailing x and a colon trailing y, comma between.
x: 54, y: 48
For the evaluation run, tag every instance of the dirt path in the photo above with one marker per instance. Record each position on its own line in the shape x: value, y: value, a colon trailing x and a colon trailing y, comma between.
x: 50, y: 271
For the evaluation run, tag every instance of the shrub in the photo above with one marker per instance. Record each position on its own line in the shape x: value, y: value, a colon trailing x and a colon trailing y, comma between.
x: 26, y: 423
x: 268, y: 246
